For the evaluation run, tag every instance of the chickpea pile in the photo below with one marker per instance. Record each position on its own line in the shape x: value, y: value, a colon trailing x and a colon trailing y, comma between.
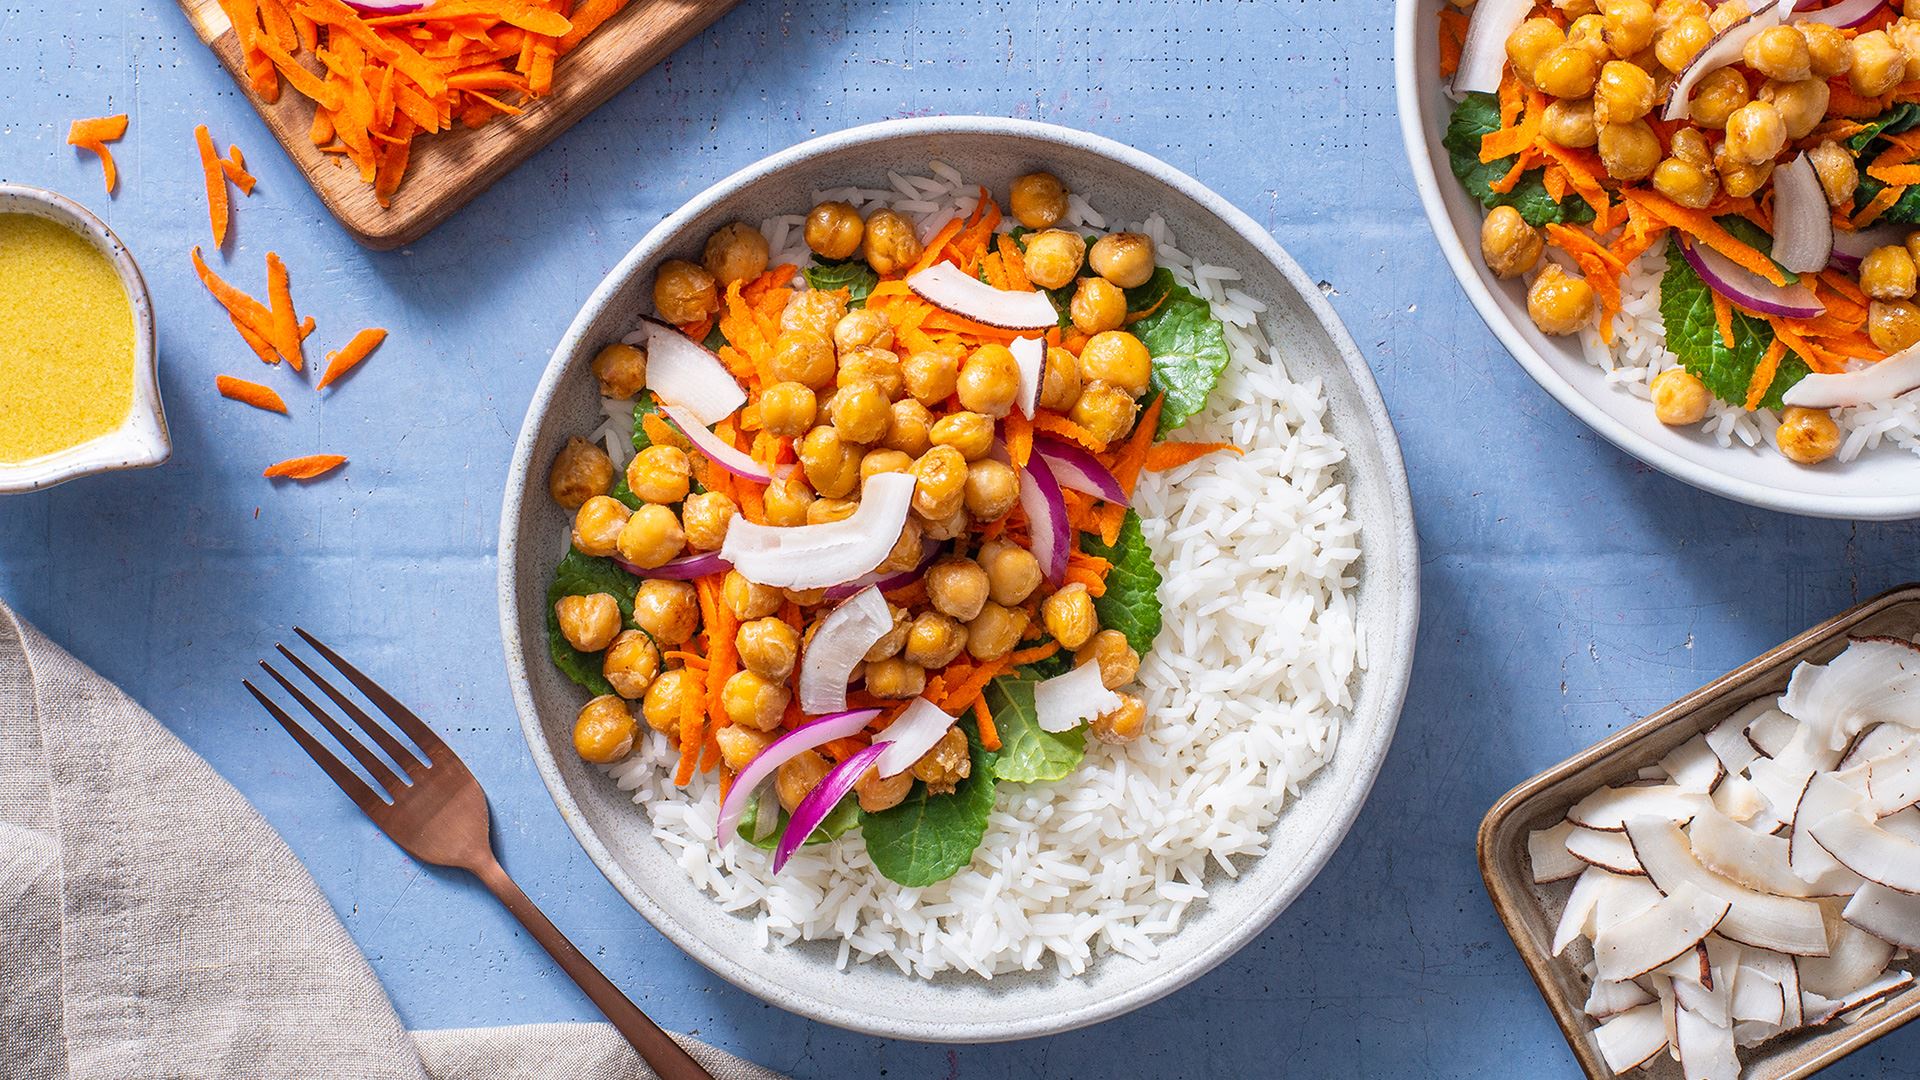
x: 1607, y: 72
x: 855, y: 402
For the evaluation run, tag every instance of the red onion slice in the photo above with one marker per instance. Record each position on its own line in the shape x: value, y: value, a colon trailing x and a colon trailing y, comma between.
x: 950, y: 288
x: 1802, y: 223
x: 1071, y: 698
x: 1046, y: 518
x: 1483, y: 55
x: 826, y: 795
x: 1031, y: 354
x: 718, y: 451
x: 682, y: 371
x: 1851, y: 247
x: 1724, y: 49
x: 778, y: 753
x: 911, y: 735
x: 887, y: 582
x: 1073, y: 467
x: 1845, y: 14
x: 844, y: 637
x: 1896, y: 375
x: 822, y: 556
x: 684, y: 568
x: 1748, y: 289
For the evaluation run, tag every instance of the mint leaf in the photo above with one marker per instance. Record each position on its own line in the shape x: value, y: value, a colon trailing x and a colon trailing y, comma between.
x: 1027, y: 753
x: 928, y: 838
x: 584, y: 575
x: 1686, y: 307
x: 1189, y: 350
x: 1131, y: 604
x: 623, y: 492
x: 851, y: 274
x: 1477, y: 115
x: 1144, y: 296
x: 844, y: 816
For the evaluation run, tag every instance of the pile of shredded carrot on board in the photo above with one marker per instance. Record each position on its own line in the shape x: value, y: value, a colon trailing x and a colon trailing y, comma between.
x: 377, y: 81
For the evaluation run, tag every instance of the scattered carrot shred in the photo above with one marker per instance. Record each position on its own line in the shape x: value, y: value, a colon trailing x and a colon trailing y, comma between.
x: 286, y: 324
x: 250, y: 393
x: 94, y: 134
x: 356, y: 350
x: 1723, y: 318
x: 305, y: 468
x: 1172, y: 455
x: 216, y: 179
x: 236, y: 171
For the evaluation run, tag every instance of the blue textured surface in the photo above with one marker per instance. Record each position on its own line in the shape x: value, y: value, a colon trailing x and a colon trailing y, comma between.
x: 1568, y: 589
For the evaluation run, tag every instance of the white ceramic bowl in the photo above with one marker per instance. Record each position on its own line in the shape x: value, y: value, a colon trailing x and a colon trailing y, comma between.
x: 141, y: 440
x: 1879, y: 485
x: 875, y: 997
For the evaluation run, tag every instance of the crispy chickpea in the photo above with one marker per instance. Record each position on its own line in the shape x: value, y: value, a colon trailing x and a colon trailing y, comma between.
x: 805, y: 597
x: 832, y: 464
x: 1098, y: 305
x: 1906, y: 34
x: 1126, y: 259
x: 1892, y: 325
x: 1739, y: 178
x: 826, y: 511
x: 989, y: 381
x: 1686, y: 183
x: 1588, y: 33
x: 1726, y: 14
x: 1808, y: 436
x: 1878, y: 64
x: 992, y: 489
x: 1779, y: 52
x: 931, y: 375
x: 684, y: 293
x: 909, y: 428
x: 1118, y: 662
x: 1630, y: 26
x: 1827, y: 52
x: 1570, y: 123
x: 651, y: 537
x: 943, y: 767
x: 631, y: 663
x: 877, y: 794
x: 878, y: 367
x: 1119, y: 358
x: 1530, y: 43
x: 662, y: 705
x: 1839, y: 175
x: 768, y: 647
x: 1069, y: 615
x: 947, y: 528
x: 1012, y: 572
x: 995, y: 632
x: 735, y: 252
x: 1105, y: 410
x: 589, y: 623
x: 1060, y: 380
x: 968, y: 432
x: 1623, y: 94
x: 1887, y: 273
x: 660, y: 474
x: 1630, y: 151
x: 740, y: 745
x: 1680, y: 42
x: 597, y: 525
x: 1037, y: 200
x: 603, y: 733
x: 861, y: 413
x: 748, y: 599
x: 1802, y: 104
x: 1717, y: 96
x: 753, y: 701
x: 1568, y: 71
x: 940, y: 481
x: 934, y: 640
x: 894, y: 678
x: 1689, y: 145
x: 802, y: 356
x: 1560, y: 303
x: 1053, y: 257
x: 669, y: 611
x: 620, y: 369
x: 895, y: 639
x: 907, y: 550
x: 793, y: 780
x: 883, y: 461
x: 786, y: 501
x: 787, y: 409
x: 957, y: 586
x: 891, y: 246
x: 863, y: 328
x: 580, y: 471
x: 1679, y: 398
x: 834, y: 230
x: 705, y: 519
x: 1509, y: 246
x: 817, y: 312
x: 1123, y: 724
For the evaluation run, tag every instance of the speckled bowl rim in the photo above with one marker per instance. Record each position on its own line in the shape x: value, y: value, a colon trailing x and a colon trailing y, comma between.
x: 141, y: 440
x: 1390, y: 647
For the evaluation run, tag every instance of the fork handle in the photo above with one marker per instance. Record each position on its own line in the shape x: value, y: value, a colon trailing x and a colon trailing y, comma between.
x: 658, y: 1048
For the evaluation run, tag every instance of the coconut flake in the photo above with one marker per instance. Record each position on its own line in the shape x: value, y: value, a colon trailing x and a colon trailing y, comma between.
x: 818, y: 556
x: 1071, y: 698
x: 1874, y: 680
x: 1706, y: 1049
x: 840, y: 643
x: 1547, y: 853
x: 1631, y: 1039
x: 952, y: 289
x: 1693, y: 766
x: 1609, y: 808
x: 1607, y: 850
x: 1759, y: 919
x: 684, y: 372
x: 1670, y: 928
x: 1865, y: 848
x: 1030, y: 356
x: 1890, y: 915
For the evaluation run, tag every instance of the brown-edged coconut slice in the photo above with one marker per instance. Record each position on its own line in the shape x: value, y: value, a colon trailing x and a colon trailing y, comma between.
x: 1631, y: 1039
x: 1670, y: 929
x: 1874, y: 680
x: 1706, y: 1048
x: 1854, y: 959
x: 952, y: 289
x: 1606, y: 850
x: 1757, y: 860
x: 1547, y: 853
x: 1758, y: 919
x: 1610, y: 998
x: 1608, y: 809
x: 1865, y: 848
x: 1888, y: 914
x: 1693, y: 766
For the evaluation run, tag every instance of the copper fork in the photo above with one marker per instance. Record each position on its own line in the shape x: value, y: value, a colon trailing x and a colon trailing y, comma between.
x: 438, y: 814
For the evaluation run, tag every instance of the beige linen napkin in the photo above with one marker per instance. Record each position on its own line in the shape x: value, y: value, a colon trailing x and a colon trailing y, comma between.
x: 152, y: 924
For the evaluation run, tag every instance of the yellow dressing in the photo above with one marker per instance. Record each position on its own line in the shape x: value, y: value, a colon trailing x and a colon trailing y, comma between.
x: 66, y: 340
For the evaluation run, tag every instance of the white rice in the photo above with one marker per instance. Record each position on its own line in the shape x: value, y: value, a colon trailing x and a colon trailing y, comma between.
x: 1640, y: 353
x: 1247, y: 687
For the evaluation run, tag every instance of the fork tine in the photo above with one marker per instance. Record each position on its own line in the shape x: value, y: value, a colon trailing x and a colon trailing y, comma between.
x: 356, y: 788
x: 416, y: 729
x: 382, y: 775
x: 394, y: 747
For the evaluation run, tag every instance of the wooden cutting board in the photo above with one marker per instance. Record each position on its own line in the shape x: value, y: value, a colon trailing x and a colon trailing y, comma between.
x: 450, y: 167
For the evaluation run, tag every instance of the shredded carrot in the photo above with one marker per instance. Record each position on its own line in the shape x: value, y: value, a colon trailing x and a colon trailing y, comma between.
x: 1172, y: 455
x: 1583, y: 172
x: 305, y: 468
x: 356, y: 350
x: 936, y: 248
x: 1014, y: 263
x: 1126, y: 467
x: 1901, y: 175
x: 1033, y: 655
x: 250, y: 393
x: 284, y: 323
x: 94, y: 134
x: 983, y: 719
x: 1723, y: 317
x: 237, y: 173
x: 692, y: 660
x: 692, y: 732
x: 1019, y: 436
x: 216, y: 180
x: 1523, y: 131
x: 1763, y: 373
x: 1055, y: 424
x: 1700, y: 225
x: 245, y: 309
x: 1453, y: 38
x: 1881, y: 202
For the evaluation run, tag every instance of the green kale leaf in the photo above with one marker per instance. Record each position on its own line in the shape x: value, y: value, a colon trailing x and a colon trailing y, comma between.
x: 1902, y: 117
x: 1686, y: 306
x: 850, y: 274
x: 1477, y: 115
x: 1754, y: 237
x: 1028, y: 753
x: 1144, y: 296
x: 928, y: 838
x: 1131, y: 604
x: 844, y: 816
x: 715, y: 339
x: 1904, y: 211
x: 1189, y: 350
x: 584, y: 575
